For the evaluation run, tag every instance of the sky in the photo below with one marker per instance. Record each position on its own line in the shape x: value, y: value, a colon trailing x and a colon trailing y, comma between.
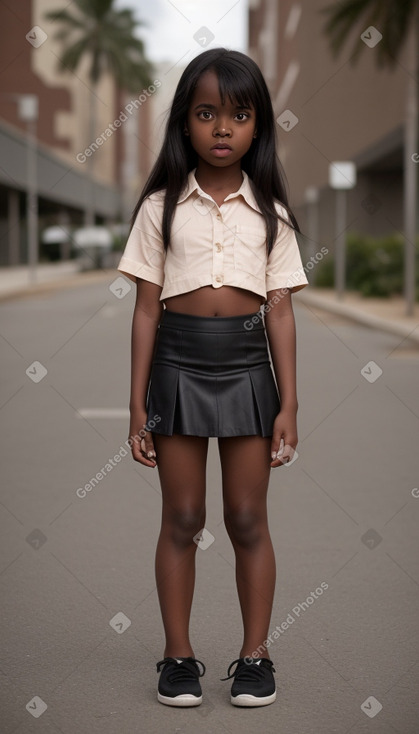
x: 178, y: 30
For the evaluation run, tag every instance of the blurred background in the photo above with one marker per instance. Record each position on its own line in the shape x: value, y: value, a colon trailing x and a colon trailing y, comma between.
x: 85, y: 88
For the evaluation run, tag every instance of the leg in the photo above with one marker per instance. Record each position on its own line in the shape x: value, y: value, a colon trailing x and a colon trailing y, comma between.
x: 181, y: 463
x: 245, y: 463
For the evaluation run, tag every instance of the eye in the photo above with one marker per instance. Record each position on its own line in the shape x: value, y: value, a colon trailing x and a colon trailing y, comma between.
x: 205, y: 115
x: 242, y: 116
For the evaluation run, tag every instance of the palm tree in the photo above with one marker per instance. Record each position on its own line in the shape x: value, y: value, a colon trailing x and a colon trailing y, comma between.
x: 398, y: 22
x: 106, y: 36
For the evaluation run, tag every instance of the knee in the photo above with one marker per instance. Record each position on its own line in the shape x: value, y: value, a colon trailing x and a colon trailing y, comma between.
x: 185, y: 523
x: 245, y: 526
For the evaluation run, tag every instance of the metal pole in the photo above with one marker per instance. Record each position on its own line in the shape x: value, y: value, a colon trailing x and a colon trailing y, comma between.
x: 411, y: 165
x: 13, y: 227
x: 32, y: 201
x: 312, y: 202
x: 89, y: 212
x: 340, y: 243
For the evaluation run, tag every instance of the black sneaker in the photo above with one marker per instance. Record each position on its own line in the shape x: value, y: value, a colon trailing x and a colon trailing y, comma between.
x: 179, y: 681
x: 254, y: 684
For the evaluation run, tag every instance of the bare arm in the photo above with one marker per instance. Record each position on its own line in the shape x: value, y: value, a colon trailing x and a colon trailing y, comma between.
x: 280, y: 330
x: 146, y: 318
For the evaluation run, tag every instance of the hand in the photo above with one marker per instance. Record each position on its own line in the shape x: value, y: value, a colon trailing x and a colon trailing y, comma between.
x: 284, y: 438
x: 142, y: 448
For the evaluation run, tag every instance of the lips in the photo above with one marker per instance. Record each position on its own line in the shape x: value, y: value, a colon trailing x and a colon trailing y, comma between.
x: 221, y: 146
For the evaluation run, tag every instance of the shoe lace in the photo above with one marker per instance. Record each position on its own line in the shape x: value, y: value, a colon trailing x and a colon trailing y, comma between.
x: 250, y: 671
x: 184, y: 670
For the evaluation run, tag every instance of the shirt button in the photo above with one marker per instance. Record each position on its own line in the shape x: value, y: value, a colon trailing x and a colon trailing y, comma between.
x: 219, y: 278
x: 219, y: 216
x: 219, y: 246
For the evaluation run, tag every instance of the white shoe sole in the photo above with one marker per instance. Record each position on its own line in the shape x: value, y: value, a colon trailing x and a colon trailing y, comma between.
x: 184, y: 700
x: 245, y: 699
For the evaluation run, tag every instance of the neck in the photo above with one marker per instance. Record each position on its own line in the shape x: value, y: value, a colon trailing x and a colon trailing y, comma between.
x: 219, y: 179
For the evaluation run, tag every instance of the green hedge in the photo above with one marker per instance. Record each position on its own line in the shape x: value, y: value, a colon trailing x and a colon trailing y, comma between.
x: 374, y: 266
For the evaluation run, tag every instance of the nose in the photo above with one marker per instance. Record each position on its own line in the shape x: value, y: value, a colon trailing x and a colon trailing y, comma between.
x: 222, y: 132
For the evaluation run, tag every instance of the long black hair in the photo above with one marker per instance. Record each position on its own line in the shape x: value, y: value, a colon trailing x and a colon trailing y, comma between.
x: 241, y: 79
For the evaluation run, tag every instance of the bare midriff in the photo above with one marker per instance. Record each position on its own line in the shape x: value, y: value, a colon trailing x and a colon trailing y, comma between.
x: 208, y: 301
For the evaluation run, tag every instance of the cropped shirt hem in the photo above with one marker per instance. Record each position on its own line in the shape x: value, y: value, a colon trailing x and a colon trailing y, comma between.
x: 212, y: 244
x: 132, y: 270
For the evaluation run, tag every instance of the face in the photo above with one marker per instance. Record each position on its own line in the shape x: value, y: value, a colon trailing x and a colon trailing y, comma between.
x: 220, y: 134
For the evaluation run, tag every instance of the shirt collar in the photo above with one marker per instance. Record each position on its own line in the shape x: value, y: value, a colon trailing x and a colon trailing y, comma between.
x: 245, y: 190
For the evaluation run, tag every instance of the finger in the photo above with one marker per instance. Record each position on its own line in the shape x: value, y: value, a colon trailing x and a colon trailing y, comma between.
x: 277, y: 455
x: 277, y: 447
x: 287, y: 454
x: 147, y: 450
x: 136, y: 449
x: 286, y: 457
x: 147, y: 446
x: 139, y: 455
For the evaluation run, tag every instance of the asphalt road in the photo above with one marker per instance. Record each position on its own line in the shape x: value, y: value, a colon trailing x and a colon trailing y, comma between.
x: 81, y: 629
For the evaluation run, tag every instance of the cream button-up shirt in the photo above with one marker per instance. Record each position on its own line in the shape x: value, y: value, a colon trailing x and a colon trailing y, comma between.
x: 212, y: 245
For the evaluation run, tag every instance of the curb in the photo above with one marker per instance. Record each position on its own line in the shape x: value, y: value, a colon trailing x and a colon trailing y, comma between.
x: 74, y: 280
x: 407, y: 331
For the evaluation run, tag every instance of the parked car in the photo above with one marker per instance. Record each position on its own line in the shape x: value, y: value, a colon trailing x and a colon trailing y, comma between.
x: 93, y: 245
x: 56, y: 242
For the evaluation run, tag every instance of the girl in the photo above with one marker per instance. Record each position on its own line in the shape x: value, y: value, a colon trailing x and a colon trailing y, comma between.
x: 213, y: 239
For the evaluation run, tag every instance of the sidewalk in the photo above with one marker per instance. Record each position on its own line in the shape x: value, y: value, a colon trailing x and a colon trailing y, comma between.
x: 385, y: 314
x: 15, y: 281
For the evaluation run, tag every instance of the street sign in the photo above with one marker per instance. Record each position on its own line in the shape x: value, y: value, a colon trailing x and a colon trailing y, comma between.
x: 342, y: 175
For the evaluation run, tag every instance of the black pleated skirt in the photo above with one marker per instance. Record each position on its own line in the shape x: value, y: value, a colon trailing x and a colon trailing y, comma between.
x: 211, y: 376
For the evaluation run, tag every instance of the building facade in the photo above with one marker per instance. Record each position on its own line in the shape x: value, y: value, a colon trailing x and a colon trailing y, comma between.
x: 331, y: 111
x: 70, y: 167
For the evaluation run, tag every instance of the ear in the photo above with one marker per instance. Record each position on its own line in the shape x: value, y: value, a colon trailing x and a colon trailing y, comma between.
x: 255, y: 134
x: 185, y: 130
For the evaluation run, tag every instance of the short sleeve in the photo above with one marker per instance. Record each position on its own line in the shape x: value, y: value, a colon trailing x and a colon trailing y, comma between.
x: 144, y: 253
x: 284, y: 268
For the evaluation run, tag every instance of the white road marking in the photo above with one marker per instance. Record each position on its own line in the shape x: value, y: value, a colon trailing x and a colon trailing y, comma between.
x: 105, y: 413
